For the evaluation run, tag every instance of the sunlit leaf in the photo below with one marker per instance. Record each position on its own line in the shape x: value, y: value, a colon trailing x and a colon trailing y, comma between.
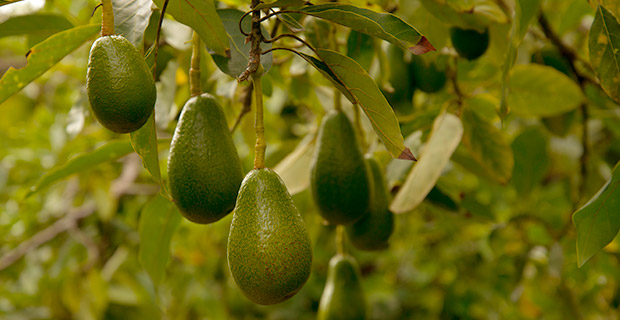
x: 531, y: 160
x: 598, y: 221
x: 291, y: 23
x: 280, y: 4
x: 5, y: 2
x: 43, y: 56
x: 144, y: 142
x: 131, y: 17
x: 445, y: 137
x: 604, y: 44
x: 294, y: 169
x: 34, y: 24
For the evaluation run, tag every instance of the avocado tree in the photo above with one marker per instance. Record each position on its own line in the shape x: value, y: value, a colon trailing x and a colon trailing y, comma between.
x: 292, y: 159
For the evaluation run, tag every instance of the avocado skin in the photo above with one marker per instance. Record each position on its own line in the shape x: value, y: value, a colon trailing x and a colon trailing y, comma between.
x: 428, y: 77
x: 343, y: 297
x: 120, y: 86
x: 203, y: 166
x: 374, y: 229
x: 269, y: 250
x: 401, y: 80
x: 469, y: 43
x: 339, y: 178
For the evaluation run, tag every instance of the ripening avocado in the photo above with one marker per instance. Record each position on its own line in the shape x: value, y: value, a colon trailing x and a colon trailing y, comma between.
x: 269, y: 250
x: 339, y: 178
x: 342, y: 298
x: 469, y: 43
x: 203, y: 166
x: 374, y: 229
x: 120, y: 86
x: 428, y: 76
x: 403, y: 84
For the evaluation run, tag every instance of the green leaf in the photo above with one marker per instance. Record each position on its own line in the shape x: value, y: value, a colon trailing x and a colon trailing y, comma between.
x: 604, y: 47
x: 110, y: 151
x: 598, y: 221
x: 201, y: 16
x: 5, y: 2
x: 531, y: 160
x: 324, y: 69
x: 144, y: 142
x: 239, y: 49
x: 445, y: 137
x: 281, y: 4
x: 291, y: 23
x: 294, y: 169
x: 537, y: 90
x: 131, y: 17
x: 381, y: 25
x: 526, y: 10
x: 34, y: 24
x: 487, y: 144
x: 43, y: 56
x: 366, y: 93
x: 360, y: 48
x: 158, y: 222
x: 465, y: 13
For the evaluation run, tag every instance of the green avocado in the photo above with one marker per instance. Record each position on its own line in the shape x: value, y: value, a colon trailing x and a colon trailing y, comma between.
x: 342, y: 298
x: 203, y: 166
x: 374, y: 229
x: 469, y: 43
x: 339, y: 178
x: 269, y: 250
x: 120, y: 86
x: 428, y: 77
x: 401, y: 81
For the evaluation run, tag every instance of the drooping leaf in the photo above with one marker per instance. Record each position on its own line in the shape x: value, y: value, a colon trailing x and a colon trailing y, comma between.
x: 324, y: 69
x: 158, y: 221
x: 239, y: 49
x: 487, y: 145
x: 291, y: 23
x: 360, y: 48
x: 445, y: 137
x: 531, y: 160
x: 366, y: 93
x: 598, y: 221
x: 201, y: 16
x: 526, y: 10
x: 131, y: 17
x: 144, y: 142
x: 381, y: 25
x: 280, y: 4
x: 538, y: 90
x: 108, y: 152
x: 43, y: 56
x: 34, y: 24
x: 294, y: 169
x: 604, y: 45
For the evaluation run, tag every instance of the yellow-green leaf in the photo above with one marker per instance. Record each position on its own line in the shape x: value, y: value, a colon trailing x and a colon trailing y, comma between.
x: 604, y: 45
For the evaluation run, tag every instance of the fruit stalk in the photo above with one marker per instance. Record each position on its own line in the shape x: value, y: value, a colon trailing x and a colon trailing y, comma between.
x: 194, y: 70
x: 358, y: 127
x: 261, y: 145
x: 107, y: 18
x: 340, y: 239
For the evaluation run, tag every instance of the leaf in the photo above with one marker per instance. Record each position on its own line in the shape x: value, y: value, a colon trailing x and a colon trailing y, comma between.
x: 281, y: 4
x: 34, y: 24
x: 366, y: 93
x: 110, y: 151
x: 324, y: 69
x: 360, y: 48
x: 239, y: 49
x: 538, y: 90
x: 598, y: 221
x: 487, y: 145
x: 531, y: 160
x: 144, y: 142
x: 604, y: 45
x: 5, y: 2
x: 201, y: 16
x: 526, y: 10
x: 294, y: 169
x: 291, y: 23
x: 445, y: 137
x: 158, y: 222
x: 43, y: 56
x: 381, y: 25
x: 131, y: 17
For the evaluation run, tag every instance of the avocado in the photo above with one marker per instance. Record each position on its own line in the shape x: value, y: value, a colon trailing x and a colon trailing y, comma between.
x: 401, y: 81
x: 428, y: 77
x: 120, y: 86
x: 269, y: 250
x: 339, y: 178
x: 203, y: 166
x: 343, y: 297
x: 374, y: 229
x: 469, y: 43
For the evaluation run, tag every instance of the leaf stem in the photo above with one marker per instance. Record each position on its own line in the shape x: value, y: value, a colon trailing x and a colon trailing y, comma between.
x: 194, y: 70
x: 261, y: 145
x: 340, y: 239
x: 156, y: 47
x: 107, y: 18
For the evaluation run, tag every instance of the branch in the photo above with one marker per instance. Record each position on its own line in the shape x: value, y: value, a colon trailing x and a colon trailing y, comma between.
x: 256, y: 37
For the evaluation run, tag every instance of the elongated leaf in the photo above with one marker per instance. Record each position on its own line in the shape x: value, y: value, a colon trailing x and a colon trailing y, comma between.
x: 366, y: 93
x: 131, y: 17
x: 526, y: 10
x: 239, y: 49
x: 381, y: 25
x: 604, y: 47
x: 144, y: 142
x: 598, y: 221
x: 280, y: 4
x: 34, y: 24
x: 324, y: 69
x: 201, y: 16
x: 360, y: 48
x: 108, y: 152
x: 445, y: 137
x: 291, y: 23
x: 487, y: 145
x: 537, y: 90
x: 158, y: 222
x: 531, y: 160
x: 43, y: 56
x: 294, y: 169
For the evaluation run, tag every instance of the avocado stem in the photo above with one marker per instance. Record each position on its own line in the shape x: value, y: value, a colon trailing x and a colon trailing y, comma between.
x: 340, y: 239
x: 359, y: 129
x: 194, y: 70
x: 107, y: 18
x: 261, y: 145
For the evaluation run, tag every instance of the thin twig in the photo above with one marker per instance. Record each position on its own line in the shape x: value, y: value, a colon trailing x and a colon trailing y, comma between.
x: 247, y: 106
x: 289, y: 35
x: 156, y: 49
x: 255, y: 51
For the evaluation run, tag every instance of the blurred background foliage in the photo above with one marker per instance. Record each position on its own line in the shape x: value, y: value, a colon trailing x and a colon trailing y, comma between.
x: 476, y: 248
